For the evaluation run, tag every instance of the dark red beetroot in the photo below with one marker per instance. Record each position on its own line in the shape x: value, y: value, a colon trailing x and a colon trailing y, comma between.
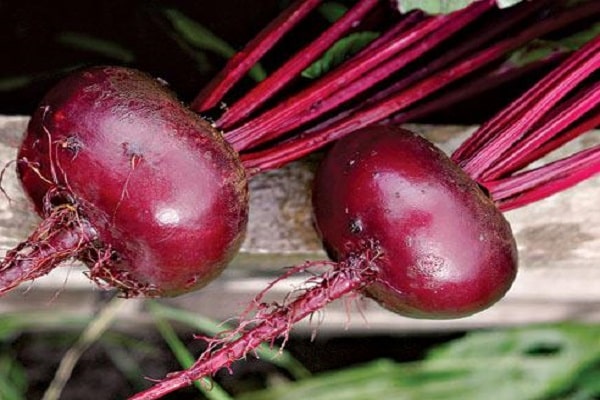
x: 445, y: 249
x: 146, y: 193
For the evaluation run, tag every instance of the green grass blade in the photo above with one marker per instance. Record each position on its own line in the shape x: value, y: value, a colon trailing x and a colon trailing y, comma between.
x: 126, y: 364
x: 13, y: 379
x: 102, y: 47
x: 532, y: 363
x: 276, y: 356
x: 200, y: 37
x: 206, y: 386
x: 90, y: 335
x: 14, y: 323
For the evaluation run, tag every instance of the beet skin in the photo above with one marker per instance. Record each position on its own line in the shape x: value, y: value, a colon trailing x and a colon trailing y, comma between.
x: 445, y: 249
x: 164, y: 193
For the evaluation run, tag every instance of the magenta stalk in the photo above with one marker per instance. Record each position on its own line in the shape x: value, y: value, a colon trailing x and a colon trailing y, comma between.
x: 290, y: 69
x: 533, y: 185
x: 309, y: 141
x: 243, y: 61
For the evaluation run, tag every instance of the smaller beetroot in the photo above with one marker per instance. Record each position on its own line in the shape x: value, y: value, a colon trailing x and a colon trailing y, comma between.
x: 446, y: 250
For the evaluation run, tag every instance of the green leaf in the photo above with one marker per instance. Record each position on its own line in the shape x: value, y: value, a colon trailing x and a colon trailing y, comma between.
x: 578, y: 39
x: 507, y: 3
x: 332, y: 10
x: 587, y: 384
x: 536, y: 50
x: 103, y: 47
x: 196, y: 35
x: 340, y: 51
x: 16, y: 82
x: 525, y: 364
x: 359, y: 382
x: 444, y: 6
x: 536, y: 362
x: 13, y: 379
x: 539, y: 49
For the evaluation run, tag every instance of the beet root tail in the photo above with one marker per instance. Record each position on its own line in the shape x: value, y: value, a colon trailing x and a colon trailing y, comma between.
x: 270, y: 322
x: 62, y: 235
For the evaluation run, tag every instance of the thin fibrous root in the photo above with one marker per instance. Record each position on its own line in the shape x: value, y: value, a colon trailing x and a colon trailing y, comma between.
x: 63, y: 234
x: 272, y: 321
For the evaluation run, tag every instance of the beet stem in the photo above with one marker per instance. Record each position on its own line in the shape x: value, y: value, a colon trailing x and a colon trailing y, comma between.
x: 267, y: 325
x: 62, y: 235
x: 290, y: 69
x: 309, y: 141
x: 512, y: 18
x: 470, y: 89
x: 576, y: 130
x: 243, y: 61
x: 514, y: 122
x: 363, y: 72
x: 534, y: 104
x: 282, y: 117
x: 533, y: 185
x: 534, y: 140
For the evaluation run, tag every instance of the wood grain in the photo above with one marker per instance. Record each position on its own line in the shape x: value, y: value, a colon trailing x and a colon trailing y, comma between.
x: 558, y: 240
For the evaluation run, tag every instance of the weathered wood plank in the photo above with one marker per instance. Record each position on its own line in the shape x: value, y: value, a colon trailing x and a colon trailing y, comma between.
x: 558, y: 239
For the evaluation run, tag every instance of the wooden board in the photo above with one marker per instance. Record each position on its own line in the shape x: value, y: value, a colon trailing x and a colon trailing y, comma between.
x: 558, y: 240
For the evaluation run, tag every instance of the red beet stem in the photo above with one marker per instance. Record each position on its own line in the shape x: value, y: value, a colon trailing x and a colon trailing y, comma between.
x: 309, y: 141
x: 514, y: 159
x: 243, y: 61
x: 62, y: 235
x: 281, y: 118
x: 290, y: 69
x: 269, y: 324
x: 487, y: 145
x: 533, y: 185
x: 511, y: 18
x: 361, y: 73
x: 471, y: 89
x: 576, y: 130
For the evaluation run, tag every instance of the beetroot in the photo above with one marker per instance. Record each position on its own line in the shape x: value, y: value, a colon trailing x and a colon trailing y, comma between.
x: 146, y: 193
x: 445, y: 249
